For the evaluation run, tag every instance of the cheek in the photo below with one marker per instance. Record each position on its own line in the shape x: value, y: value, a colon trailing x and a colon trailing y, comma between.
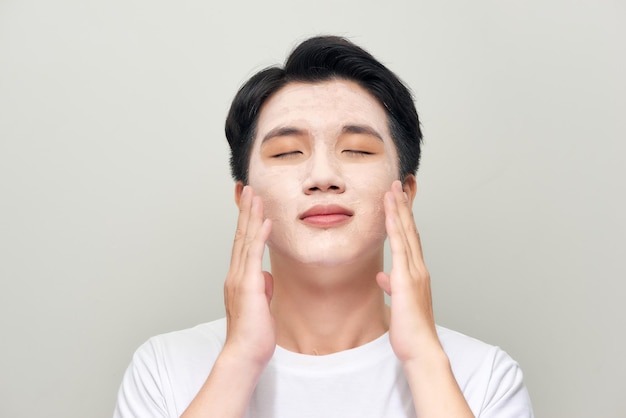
x: 372, y: 207
x: 371, y: 193
x: 276, y: 187
x: 274, y: 208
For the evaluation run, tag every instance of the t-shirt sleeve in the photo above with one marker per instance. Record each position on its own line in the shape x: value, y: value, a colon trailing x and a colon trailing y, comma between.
x: 506, y: 395
x: 140, y: 394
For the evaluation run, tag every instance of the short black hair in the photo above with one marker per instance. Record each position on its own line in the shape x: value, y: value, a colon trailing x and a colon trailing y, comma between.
x: 315, y: 60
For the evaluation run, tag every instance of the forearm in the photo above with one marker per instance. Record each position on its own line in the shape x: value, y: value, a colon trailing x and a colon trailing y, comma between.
x: 433, y: 386
x: 227, y: 391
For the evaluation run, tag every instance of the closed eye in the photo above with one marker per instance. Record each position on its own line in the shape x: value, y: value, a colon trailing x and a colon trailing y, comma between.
x: 357, y: 153
x: 290, y: 154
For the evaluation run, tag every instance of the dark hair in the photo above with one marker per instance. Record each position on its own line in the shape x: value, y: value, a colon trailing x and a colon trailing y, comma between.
x: 316, y: 60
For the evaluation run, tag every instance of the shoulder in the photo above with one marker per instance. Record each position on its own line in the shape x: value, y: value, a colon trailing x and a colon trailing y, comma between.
x: 187, y: 343
x: 168, y: 370
x: 182, y: 353
x: 471, y: 358
x: 201, y: 338
x: 462, y: 348
x: 490, y: 379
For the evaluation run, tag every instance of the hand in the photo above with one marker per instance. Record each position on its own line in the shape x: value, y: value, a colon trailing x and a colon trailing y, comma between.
x: 248, y: 290
x: 412, y: 331
x: 412, y: 326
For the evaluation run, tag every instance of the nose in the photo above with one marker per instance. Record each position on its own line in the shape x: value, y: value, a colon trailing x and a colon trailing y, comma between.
x: 324, y: 175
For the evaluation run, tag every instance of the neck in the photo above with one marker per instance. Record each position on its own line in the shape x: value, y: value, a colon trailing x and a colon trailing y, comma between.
x: 326, y: 309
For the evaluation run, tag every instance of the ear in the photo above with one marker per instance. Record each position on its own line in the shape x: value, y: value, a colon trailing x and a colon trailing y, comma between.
x: 238, y: 191
x: 409, y: 185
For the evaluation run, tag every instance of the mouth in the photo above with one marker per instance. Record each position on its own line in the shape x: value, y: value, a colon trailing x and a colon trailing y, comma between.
x: 326, y: 216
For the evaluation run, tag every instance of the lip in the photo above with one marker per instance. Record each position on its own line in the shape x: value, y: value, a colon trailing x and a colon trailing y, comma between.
x: 326, y: 216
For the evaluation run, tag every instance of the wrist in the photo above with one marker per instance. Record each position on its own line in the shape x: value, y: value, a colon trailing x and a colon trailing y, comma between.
x: 425, y: 350
x: 429, y: 359
x: 239, y: 360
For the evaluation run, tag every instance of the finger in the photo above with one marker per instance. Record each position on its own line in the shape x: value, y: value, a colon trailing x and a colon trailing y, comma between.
x: 397, y: 240
x: 245, y: 206
x: 255, y: 219
x: 256, y: 248
x: 411, y: 233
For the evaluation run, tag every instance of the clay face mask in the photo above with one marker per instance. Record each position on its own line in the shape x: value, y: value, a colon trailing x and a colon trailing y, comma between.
x: 322, y: 160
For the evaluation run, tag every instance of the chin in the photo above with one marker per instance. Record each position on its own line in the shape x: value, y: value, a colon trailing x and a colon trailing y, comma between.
x: 335, y: 253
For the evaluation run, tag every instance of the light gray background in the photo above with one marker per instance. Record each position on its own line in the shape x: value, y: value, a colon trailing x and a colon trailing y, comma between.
x: 116, y: 201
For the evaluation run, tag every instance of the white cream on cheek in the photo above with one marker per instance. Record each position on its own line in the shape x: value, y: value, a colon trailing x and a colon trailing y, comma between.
x: 270, y: 186
x: 282, y: 190
x: 371, y: 192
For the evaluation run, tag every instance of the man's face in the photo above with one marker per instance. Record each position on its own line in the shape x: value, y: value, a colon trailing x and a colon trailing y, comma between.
x: 322, y: 160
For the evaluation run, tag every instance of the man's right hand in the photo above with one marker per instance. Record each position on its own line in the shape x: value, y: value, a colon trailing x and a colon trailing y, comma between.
x: 250, y: 332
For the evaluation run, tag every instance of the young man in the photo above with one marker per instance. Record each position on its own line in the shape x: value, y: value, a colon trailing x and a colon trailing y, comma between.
x: 324, y: 154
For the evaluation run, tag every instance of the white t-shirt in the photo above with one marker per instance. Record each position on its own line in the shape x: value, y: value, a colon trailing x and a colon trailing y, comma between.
x: 168, y: 370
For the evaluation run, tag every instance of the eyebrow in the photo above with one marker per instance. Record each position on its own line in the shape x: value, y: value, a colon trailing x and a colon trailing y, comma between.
x: 348, y: 129
x: 361, y: 129
x: 282, y: 131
